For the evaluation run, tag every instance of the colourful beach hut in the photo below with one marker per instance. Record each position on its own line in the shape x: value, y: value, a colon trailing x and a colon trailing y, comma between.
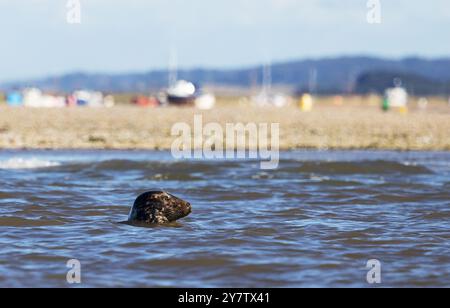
x: 14, y: 99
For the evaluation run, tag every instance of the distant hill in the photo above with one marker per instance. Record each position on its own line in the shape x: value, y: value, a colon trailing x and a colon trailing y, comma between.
x: 332, y: 75
x: 378, y: 81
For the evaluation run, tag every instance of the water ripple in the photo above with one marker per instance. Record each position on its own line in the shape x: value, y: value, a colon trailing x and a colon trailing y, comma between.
x: 315, y: 221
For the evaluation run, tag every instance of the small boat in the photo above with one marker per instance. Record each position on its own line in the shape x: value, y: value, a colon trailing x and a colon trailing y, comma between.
x: 205, y: 101
x: 145, y: 101
x: 181, y: 93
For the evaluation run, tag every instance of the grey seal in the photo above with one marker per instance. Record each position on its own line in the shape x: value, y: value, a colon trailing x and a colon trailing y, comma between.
x: 158, y: 207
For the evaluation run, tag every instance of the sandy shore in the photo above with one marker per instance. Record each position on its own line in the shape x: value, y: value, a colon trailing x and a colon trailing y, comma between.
x: 128, y: 127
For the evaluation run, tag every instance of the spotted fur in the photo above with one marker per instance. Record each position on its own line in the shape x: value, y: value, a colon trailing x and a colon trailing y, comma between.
x: 158, y: 207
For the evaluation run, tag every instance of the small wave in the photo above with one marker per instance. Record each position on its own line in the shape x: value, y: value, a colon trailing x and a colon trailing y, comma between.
x: 360, y: 167
x: 29, y: 163
x: 24, y: 222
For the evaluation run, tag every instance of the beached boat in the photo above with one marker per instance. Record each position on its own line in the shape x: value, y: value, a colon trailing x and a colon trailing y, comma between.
x: 181, y: 93
x: 205, y: 101
x: 145, y: 101
x: 35, y: 98
x: 267, y: 97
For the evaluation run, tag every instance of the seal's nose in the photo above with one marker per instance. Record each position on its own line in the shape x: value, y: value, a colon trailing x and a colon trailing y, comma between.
x: 188, y: 208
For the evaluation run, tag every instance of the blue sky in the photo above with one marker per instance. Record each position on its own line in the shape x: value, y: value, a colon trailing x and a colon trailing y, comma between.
x: 138, y: 35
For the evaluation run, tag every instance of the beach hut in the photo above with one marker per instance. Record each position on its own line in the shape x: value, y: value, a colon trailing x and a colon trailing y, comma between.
x: 14, y: 99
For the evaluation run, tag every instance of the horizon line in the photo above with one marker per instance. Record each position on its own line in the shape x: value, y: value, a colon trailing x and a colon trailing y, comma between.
x: 225, y: 69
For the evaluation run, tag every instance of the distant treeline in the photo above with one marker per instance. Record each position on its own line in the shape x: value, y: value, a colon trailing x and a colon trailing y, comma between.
x: 378, y: 81
x: 322, y: 76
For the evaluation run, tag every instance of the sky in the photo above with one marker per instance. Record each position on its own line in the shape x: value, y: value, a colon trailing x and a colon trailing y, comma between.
x: 117, y: 36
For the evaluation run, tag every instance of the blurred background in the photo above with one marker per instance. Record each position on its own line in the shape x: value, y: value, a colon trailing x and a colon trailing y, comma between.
x: 299, y: 56
x: 132, y: 46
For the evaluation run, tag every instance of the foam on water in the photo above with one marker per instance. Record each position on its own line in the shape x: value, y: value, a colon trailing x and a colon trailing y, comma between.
x: 28, y: 163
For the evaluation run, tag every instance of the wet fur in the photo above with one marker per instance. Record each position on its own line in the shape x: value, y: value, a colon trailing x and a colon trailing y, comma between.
x: 158, y: 207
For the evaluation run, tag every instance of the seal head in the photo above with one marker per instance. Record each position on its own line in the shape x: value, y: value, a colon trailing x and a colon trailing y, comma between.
x: 158, y: 207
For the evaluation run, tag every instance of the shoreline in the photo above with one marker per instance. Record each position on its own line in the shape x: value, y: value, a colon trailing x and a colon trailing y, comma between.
x: 327, y: 127
x: 282, y: 150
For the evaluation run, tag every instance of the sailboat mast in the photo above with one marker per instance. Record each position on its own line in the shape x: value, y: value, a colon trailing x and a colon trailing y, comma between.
x: 173, y: 67
x: 267, y: 78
